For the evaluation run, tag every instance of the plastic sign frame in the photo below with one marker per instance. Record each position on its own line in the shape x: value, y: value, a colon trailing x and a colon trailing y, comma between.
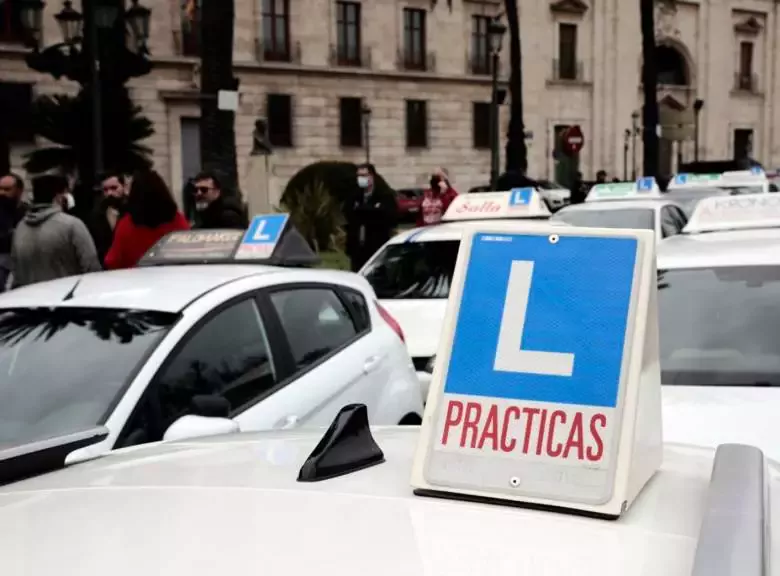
x: 729, y: 179
x: 643, y: 189
x: 525, y: 377
x: 515, y: 203
x: 741, y: 212
x: 262, y: 236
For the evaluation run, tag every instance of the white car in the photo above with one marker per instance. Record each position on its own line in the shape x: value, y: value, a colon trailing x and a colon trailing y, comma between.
x: 411, y: 274
x: 135, y: 350
x: 639, y: 205
x: 689, y: 189
x: 719, y: 288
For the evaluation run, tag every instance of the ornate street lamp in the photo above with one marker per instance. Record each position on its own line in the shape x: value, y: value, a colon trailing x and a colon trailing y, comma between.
x: 496, y: 31
x: 71, y: 23
x: 138, y: 18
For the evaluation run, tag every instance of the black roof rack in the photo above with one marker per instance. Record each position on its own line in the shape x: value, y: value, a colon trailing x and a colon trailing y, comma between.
x: 285, y: 246
x: 40, y: 456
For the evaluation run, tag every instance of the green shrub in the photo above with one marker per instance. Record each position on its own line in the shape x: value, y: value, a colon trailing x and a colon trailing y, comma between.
x: 339, y: 179
x: 316, y: 215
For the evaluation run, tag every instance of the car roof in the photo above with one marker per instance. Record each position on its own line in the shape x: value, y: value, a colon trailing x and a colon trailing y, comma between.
x: 618, y: 205
x: 727, y: 248
x: 158, y: 288
x: 190, y: 501
x: 455, y: 230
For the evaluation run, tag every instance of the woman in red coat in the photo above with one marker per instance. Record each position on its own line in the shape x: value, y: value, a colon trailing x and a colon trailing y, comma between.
x: 151, y: 214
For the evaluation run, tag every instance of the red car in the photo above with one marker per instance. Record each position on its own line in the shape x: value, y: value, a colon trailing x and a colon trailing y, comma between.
x: 408, y: 201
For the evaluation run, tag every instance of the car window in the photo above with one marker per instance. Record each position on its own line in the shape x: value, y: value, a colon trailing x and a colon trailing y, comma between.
x: 64, y: 369
x: 636, y: 218
x: 315, y: 321
x: 413, y: 270
x: 362, y: 316
x: 680, y: 217
x: 669, y: 223
x: 718, y: 326
x: 227, y: 356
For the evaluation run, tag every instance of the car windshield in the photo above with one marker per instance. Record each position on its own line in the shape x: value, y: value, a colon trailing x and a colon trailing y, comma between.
x: 688, y: 198
x: 718, y: 326
x: 64, y: 369
x: 413, y: 270
x: 636, y: 218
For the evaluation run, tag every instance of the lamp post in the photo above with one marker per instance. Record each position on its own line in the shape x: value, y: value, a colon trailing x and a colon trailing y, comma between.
x: 365, y: 115
x: 78, y: 57
x: 626, y: 138
x: 634, y: 134
x: 698, y: 104
x: 496, y: 31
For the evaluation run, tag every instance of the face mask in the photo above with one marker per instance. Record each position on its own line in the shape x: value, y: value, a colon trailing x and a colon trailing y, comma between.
x: 362, y: 181
x: 69, y: 202
x: 201, y: 206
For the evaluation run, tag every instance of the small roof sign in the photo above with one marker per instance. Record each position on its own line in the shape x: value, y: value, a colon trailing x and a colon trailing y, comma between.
x: 743, y: 212
x: 731, y: 179
x: 642, y: 189
x: 270, y: 239
x: 546, y: 386
x: 515, y: 203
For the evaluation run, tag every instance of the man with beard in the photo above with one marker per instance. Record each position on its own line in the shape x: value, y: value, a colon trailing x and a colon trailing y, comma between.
x: 214, y: 208
x: 107, y: 212
x: 11, y: 211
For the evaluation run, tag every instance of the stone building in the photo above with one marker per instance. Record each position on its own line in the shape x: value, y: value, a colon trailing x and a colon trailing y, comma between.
x: 309, y: 66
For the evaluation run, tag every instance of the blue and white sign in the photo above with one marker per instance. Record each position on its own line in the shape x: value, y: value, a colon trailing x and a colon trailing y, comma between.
x: 528, y: 392
x: 261, y: 237
x: 520, y: 196
x: 646, y: 184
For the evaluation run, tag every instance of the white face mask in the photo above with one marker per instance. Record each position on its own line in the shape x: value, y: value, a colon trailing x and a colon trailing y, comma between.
x: 70, y: 201
x: 362, y: 181
x: 201, y: 206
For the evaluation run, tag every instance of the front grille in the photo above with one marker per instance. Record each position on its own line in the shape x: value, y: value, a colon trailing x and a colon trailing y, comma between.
x: 420, y: 363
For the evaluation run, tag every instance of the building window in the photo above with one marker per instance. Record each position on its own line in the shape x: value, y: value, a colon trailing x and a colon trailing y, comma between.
x: 481, y: 126
x: 11, y: 29
x: 348, y: 33
x: 416, y: 124
x: 276, y: 30
x: 743, y: 143
x: 190, y: 28
x: 279, y: 115
x: 480, y: 45
x: 351, y: 122
x: 414, y: 57
x: 567, y: 52
x: 16, y: 103
x: 745, y: 78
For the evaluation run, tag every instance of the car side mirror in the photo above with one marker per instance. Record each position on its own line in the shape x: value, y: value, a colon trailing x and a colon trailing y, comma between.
x: 191, y: 426
x: 211, y: 405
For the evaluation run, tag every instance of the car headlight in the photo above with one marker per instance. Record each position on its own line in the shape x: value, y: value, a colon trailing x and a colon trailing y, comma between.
x: 429, y: 365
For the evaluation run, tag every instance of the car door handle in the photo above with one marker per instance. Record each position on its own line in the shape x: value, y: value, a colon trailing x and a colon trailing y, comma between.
x: 371, y: 363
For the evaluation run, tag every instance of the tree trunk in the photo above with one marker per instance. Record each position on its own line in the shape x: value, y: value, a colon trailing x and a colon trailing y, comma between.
x: 650, y: 86
x: 217, y: 127
x: 516, y: 151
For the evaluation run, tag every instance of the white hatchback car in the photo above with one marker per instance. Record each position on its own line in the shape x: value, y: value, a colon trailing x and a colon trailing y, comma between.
x: 254, y: 346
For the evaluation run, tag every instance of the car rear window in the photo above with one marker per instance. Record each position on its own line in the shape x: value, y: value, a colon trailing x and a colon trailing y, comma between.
x: 718, y: 326
x: 635, y: 218
x: 413, y: 270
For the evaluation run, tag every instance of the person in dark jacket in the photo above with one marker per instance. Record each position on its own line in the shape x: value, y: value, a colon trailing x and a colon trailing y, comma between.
x: 11, y: 211
x: 107, y: 212
x: 214, y: 208
x: 48, y: 243
x: 371, y: 216
x: 151, y: 214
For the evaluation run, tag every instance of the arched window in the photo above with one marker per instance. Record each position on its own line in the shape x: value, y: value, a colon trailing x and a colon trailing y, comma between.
x: 671, y: 66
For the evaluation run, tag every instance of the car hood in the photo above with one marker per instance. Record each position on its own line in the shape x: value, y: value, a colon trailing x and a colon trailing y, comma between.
x: 421, y: 321
x: 231, y: 505
x: 712, y: 415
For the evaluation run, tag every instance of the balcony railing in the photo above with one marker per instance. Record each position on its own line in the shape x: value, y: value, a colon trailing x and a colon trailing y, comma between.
x: 415, y: 61
x: 340, y: 56
x: 745, y: 82
x: 289, y: 54
x: 567, y: 71
x: 479, y: 64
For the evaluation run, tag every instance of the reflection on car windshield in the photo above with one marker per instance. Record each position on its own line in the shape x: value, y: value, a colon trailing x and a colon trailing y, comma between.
x: 414, y: 270
x: 62, y: 369
x: 718, y: 326
x: 636, y: 218
x: 688, y: 198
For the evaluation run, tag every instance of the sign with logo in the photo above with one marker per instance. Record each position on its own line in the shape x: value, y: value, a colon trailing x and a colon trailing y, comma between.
x: 643, y: 189
x: 520, y: 196
x: 543, y: 344
x: 193, y: 246
x: 573, y: 139
x: 261, y: 237
x: 517, y: 203
x: 735, y: 212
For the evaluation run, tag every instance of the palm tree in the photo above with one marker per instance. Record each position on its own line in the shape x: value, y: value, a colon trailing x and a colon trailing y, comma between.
x: 217, y: 127
x: 650, y: 86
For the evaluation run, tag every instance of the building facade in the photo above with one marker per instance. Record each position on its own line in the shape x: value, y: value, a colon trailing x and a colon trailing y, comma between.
x: 310, y: 66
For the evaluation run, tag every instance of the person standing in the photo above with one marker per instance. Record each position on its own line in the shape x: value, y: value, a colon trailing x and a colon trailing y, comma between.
x: 436, y: 199
x: 151, y: 214
x: 577, y: 190
x: 11, y: 211
x: 108, y: 211
x: 214, y: 209
x: 48, y: 243
x: 370, y: 215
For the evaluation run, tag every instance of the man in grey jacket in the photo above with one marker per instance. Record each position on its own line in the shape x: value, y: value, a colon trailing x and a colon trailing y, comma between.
x: 48, y: 243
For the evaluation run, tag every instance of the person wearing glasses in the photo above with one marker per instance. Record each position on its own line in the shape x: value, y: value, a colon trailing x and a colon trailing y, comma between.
x: 214, y: 208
